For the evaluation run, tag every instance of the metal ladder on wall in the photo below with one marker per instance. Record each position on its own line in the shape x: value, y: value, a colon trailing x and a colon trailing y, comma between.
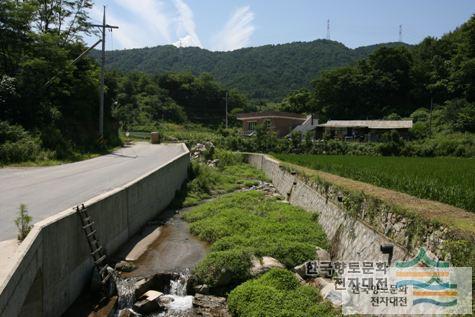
x: 97, y: 251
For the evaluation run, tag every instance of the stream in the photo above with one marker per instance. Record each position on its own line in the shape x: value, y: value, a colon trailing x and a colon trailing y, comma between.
x: 175, y: 251
x: 181, y: 304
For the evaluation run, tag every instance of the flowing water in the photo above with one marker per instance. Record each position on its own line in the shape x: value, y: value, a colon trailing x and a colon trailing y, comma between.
x: 125, y: 292
x: 181, y: 305
x: 176, y: 250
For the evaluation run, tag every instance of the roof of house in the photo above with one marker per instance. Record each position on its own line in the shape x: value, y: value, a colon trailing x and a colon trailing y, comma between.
x: 270, y: 114
x: 371, y: 124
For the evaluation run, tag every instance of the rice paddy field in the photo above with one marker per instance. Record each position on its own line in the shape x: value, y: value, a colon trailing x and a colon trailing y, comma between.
x: 448, y: 180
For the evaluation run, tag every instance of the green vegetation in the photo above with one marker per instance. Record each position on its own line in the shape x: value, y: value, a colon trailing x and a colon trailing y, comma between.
x: 264, y: 73
x: 23, y: 222
x: 249, y: 223
x: 396, y: 81
x: 48, y: 105
x: 441, y: 144
x: 190, y: 133
x: 142, y: 102
x: 208, y: 181
x: 205, y: 182
x: 277, y: 293
x: 449, y: 180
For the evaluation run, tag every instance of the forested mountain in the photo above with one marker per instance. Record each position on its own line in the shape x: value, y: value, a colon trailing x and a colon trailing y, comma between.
x: 401, y: 80
x: 267, y: 72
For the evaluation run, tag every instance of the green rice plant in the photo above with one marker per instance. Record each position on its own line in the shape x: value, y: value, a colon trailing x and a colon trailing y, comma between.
x: 445, y: 179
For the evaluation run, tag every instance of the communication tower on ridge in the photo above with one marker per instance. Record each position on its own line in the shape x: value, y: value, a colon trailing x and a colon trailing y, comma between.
x: 400, y: 32
x: 328, y: 29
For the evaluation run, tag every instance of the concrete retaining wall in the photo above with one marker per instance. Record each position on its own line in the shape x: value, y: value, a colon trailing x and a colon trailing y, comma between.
x: 350, y: 238
x: 53, y: 264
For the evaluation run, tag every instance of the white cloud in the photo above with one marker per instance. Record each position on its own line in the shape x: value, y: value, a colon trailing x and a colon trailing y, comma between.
x: 237, y: 32
x: 152, y: 15
x: 128, y: 35
x: 186, y: 28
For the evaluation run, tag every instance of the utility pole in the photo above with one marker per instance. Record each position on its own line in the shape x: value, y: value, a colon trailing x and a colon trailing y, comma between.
x: 226, y: 109
x: 103, y: 27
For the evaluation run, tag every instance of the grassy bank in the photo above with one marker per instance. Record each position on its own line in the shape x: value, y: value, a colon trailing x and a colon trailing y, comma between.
x: 189, y: 133
x: 277, y: 293
x: 243, y: 224
x: 205, y: 182
x: 448, y: 180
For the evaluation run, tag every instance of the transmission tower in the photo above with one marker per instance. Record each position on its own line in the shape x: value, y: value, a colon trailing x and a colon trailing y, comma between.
x: 400, y: 32
x: 328, y: 29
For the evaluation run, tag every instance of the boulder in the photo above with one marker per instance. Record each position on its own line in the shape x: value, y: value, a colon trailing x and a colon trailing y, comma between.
x: 148, y: 303
x: 301, y: 270
x: 125, y: 266
x: 260, y: 266
x: 319, y: 282
x: 141, y: 286
x: 299, y: 278
x: 210, y: 306
x: 165, y: 301
x: 159, y: 282
x: 127, y: 313
x: 327, y: 290
x: 322, y: 254
x: 329, y: 293
x: 202, y: 289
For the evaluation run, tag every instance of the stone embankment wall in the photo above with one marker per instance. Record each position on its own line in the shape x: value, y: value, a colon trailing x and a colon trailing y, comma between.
x: 53, y: 264
x: 357, y: 223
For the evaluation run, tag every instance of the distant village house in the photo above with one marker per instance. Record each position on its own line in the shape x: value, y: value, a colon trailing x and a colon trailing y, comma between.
x: 361, y: 130
x: 285, y: 123
x: 282, y: 123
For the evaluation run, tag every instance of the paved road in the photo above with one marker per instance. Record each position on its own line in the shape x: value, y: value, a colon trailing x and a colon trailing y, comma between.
x: 49, y: 190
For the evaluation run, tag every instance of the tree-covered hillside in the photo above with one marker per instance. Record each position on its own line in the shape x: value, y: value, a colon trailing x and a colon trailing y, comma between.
x: 267, y: 72
x: 399, y: 80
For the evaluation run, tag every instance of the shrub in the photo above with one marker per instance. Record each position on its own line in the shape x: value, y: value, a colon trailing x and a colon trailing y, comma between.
x: 17, y: 145
x: 224, y: 268
x: 204, y: 181
x: 277, y: 293
x: 228, y: 158
x: 23, y: 222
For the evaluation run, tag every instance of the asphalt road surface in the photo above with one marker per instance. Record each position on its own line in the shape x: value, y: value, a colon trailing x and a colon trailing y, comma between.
x: 49, y: 190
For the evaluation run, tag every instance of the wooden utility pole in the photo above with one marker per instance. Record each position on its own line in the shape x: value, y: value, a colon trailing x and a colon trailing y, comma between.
x: 103, y: 27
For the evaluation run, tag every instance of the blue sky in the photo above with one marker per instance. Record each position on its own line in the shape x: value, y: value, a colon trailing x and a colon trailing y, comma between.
x: 228, y: 25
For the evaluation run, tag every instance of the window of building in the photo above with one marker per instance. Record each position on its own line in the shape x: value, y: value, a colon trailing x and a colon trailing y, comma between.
x: 252, y: 125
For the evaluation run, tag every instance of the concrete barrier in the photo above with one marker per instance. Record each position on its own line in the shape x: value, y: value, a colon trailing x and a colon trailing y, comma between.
x: 351, y: 239
x: 53, y: 264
